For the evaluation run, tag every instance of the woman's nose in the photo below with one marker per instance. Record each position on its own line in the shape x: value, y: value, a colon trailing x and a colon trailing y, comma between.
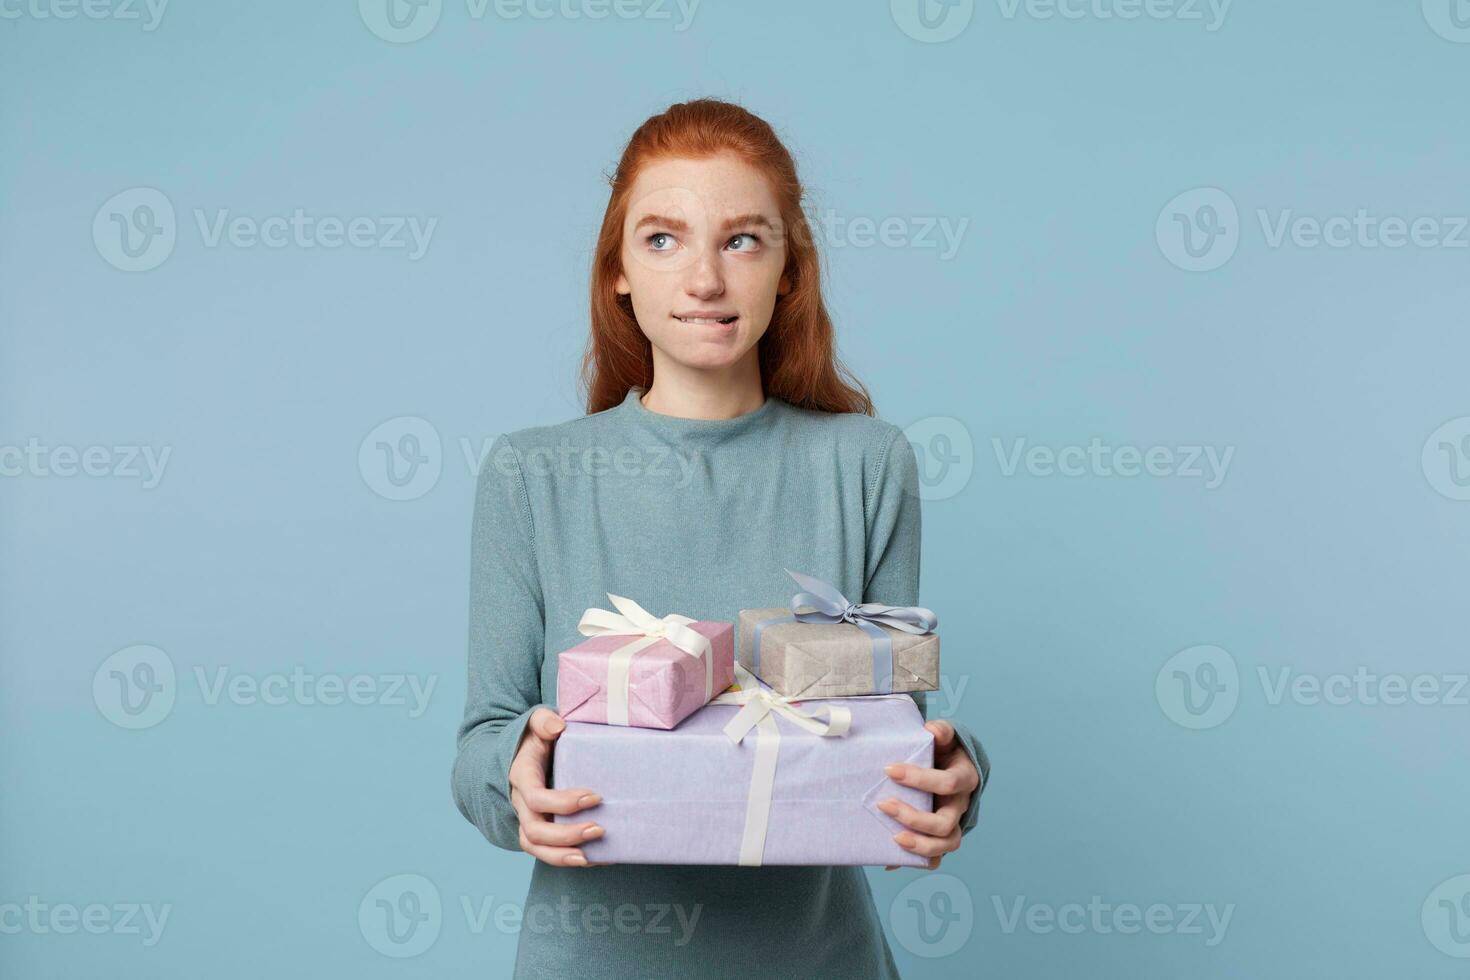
x: 705, y: 278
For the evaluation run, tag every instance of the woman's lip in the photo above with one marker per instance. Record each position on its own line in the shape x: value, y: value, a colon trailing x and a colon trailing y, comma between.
x: 708, y: 321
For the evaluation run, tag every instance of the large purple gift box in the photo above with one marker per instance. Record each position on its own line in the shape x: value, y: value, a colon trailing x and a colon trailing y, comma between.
x: 691, y: 795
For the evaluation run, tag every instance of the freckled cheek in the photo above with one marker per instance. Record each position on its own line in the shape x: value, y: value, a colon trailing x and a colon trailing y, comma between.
x: 755, y: 280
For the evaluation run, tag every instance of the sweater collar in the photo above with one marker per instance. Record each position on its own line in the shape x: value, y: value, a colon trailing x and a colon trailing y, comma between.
x: 679, y: 427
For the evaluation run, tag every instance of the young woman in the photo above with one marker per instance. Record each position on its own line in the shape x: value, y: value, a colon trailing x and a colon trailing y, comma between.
x: 723, y: 444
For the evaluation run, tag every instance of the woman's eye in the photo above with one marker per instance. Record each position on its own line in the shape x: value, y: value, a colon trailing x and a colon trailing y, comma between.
x: 754, y: 241
x: 654, y: 239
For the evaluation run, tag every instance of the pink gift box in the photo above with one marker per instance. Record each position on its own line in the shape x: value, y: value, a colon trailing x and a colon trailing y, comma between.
x: 665, y: 684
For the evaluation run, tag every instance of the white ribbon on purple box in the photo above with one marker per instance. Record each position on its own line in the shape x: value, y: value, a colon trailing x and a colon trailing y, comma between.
x: 759, y: 705
x: 636, y: 621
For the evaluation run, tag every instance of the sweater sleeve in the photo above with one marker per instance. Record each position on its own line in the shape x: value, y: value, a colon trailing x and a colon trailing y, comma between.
x: 894, y: 536
x: 507, y: 631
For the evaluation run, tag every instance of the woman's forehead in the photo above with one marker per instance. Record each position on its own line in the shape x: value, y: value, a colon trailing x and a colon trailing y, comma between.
x: 701, y: 191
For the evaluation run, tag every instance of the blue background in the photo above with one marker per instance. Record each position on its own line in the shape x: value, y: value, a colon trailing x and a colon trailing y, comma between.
x: 1329, y: 545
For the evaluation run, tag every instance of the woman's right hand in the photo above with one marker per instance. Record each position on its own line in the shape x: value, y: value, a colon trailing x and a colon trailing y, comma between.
x: 554, y: 843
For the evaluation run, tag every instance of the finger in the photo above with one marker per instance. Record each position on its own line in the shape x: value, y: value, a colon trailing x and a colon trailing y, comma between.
x: 564, y: 857
x: 959, y: 777
x: 528, y: 768
x: 943, y: 733
x: 934, y: 862
x: 953, y: 808
x: 546, y: 724
x: 936, y: 824
x: 926, y: 846
x: 940, y: 782
x: 563, y: 801
x: 523, y: 812
x: 550, y: 834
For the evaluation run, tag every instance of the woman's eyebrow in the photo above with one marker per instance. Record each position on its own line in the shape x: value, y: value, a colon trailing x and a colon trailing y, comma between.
x: 752, y: 218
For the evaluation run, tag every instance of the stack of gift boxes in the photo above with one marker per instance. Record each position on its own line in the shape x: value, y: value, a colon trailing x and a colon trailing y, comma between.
x: 774, y: 756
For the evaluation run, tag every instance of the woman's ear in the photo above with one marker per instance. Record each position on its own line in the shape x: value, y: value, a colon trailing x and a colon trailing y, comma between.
x: 784, y: 286
x: 621, y: 285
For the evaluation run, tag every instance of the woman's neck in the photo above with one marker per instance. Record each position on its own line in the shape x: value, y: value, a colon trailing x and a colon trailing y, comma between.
x: 695, y: 394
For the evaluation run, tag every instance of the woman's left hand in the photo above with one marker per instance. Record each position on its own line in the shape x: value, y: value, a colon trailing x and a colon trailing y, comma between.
x: 953, y: 782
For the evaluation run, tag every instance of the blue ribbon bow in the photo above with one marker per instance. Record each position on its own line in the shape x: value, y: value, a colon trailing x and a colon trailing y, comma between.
x: 831, y: 606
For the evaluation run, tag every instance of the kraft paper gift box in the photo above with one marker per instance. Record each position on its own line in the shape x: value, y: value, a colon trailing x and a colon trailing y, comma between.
x: 838, y: 648
x: 641, y: 671
x: 750, y: 779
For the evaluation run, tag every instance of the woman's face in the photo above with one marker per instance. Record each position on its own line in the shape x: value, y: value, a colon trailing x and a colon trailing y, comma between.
x: 703, y: 241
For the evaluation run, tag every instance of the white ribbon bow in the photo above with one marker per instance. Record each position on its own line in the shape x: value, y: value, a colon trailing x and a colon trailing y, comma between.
x: 636, y: 621
x: 759, y: 706
x: 758, y: 702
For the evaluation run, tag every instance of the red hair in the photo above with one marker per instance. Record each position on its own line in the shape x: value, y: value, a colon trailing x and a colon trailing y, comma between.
x: 797, y: 354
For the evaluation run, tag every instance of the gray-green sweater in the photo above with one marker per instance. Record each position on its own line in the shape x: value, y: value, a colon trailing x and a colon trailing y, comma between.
x: 698, y: 517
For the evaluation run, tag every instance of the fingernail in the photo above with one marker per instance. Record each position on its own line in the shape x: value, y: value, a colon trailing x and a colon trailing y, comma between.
x: 578, y: 860
x: 889, y: 807
x: 905, y: 840
x: 591, y: 799
x: 895, y: 770
x: 592, y: 831
x: 557, y: 726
